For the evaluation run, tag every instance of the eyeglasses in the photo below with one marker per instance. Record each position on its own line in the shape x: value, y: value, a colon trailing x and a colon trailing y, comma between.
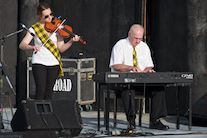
x: 51, y: 14
x: 140, y: 39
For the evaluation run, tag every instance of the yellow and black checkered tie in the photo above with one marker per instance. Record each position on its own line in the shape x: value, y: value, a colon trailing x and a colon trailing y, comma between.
x: 49, y: 45
x: 135, y: 57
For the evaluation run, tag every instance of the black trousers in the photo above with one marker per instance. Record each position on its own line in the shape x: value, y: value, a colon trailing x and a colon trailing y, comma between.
x: 156, y: 93
x: 44, y: 77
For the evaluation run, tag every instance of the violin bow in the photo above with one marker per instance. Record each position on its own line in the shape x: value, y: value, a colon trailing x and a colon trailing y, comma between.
x: 52, y: 33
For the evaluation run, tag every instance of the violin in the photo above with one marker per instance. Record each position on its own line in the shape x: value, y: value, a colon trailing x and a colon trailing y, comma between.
x: 65, y: 30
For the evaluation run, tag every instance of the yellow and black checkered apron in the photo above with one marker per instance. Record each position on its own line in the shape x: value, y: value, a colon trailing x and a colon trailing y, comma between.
x: 49, y: 44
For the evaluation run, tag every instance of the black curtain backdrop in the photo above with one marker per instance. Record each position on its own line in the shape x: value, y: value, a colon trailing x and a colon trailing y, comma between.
x: 167, y: 34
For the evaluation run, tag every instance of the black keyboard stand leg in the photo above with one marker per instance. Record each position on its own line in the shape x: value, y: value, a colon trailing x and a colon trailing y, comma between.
x: 140, y: 112
x: 177, y: 108
x: 98, y: 95
x: 115, y: 109
x: 107, y: 108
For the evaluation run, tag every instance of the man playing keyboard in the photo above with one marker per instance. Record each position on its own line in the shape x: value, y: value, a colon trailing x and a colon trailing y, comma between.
x: 133, y: 55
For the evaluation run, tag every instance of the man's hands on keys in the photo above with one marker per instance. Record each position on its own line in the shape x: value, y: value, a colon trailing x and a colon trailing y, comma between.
x: 136, y: 69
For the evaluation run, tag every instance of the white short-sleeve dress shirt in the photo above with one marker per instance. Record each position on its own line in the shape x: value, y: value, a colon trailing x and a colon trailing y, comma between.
x: 122, y: 53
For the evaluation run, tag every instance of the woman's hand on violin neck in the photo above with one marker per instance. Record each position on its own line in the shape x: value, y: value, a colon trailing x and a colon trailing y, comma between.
x: 62, y: 47
x: 75, y: 38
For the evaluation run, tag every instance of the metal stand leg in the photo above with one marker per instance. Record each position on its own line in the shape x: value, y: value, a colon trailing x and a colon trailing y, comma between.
x: 1, y: 109
x: 150, y: 109
x: 190, y: 109
x: 140, y: 111
x: 6, y: 94
x: 115, y: 108
x: 177, y: 108
x: 104, y: 109
x: 107, y: 109
x: 98, y: 96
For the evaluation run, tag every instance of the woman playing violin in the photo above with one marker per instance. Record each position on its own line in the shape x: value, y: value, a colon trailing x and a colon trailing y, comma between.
x: 46, y: 63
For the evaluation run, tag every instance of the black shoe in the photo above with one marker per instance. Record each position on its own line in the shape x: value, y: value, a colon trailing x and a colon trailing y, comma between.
x: 158, y: 125
x: 131, y: 125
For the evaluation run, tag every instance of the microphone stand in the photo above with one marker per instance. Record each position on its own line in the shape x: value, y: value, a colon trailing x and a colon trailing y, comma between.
x: 4, y: 73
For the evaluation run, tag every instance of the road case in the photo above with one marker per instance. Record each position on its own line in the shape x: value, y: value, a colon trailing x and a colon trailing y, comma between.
x: 77, y: 83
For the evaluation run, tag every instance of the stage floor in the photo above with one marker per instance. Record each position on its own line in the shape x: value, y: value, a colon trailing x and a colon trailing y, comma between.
x: 90, y: 126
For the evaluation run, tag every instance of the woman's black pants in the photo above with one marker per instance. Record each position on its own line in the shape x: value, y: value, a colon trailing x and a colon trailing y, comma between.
x: 44, y: 77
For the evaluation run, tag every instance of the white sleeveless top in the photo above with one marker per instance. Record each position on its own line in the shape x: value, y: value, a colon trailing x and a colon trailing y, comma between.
x: 44, y: 56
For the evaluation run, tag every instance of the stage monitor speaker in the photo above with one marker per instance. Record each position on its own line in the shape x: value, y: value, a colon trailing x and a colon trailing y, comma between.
x: 60, y: 115
x: 199, y: 113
